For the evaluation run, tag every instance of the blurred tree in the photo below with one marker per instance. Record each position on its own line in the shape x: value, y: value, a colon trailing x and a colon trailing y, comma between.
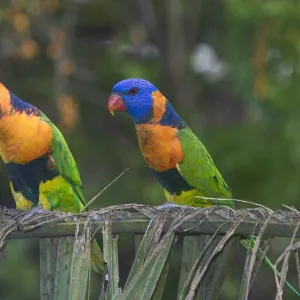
x: 231, y: 68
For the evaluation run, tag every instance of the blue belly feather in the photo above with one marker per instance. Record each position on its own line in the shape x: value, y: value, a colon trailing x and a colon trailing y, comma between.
x: 172, y: 181
x: 27, y: 178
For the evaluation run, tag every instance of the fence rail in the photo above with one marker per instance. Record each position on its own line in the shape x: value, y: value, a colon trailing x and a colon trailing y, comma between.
x: 135, y: 218
x: 138, y: 224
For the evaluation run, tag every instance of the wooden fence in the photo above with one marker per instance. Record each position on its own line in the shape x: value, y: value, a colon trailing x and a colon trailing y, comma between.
x: 209, y: 238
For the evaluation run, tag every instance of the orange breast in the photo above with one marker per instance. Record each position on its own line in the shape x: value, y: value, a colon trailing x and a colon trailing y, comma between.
x: 159, y: 145
x: 23, y: 138
x: 4, y: 99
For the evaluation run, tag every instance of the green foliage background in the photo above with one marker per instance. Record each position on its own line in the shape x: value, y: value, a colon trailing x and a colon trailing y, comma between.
x: 65, y: 56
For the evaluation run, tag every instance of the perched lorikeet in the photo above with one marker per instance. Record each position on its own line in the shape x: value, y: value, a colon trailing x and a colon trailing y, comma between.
x: 178, y: 159
x: 41, y: 168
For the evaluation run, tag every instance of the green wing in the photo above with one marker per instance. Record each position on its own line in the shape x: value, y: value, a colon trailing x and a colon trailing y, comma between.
x: 199, y: 170
x: 64, y: 160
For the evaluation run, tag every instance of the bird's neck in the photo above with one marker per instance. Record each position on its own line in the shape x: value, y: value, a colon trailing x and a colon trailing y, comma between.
x: 10, y: 104
x: 5, y: 104
x: 171, y: 118
x: 160, y: 112
x: 22, y: 107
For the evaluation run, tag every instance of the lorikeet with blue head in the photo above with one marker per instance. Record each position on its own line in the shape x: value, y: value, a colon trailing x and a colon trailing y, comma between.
x: 41, y: 169
x: 176, y: 156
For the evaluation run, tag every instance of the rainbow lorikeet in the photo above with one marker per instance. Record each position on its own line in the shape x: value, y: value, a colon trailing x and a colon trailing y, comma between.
x: 41, y: 169
x: 178, y: 159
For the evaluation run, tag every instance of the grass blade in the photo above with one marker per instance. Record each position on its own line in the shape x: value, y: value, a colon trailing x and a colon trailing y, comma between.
x: 145, y: 245
x: 137, y: 242
x: 158, y: 293
x: 143, y: 284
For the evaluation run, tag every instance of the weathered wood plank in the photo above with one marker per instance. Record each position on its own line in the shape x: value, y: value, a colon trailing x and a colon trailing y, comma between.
x: 110, y: 254
x: 212, y: 282
x: 115, y: 265
x: 63, y: 267
x: 190, y: 251
x: 81, y: 266
x: 2, y: 256
x: 138, y: 225
x: 48, y: 256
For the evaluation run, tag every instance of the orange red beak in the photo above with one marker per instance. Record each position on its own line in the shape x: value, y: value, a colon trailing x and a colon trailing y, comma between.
x: 115, y: 102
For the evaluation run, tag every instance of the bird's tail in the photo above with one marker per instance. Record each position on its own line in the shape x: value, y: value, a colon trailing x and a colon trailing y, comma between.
x: 249, y: 243
x: 96, y: 257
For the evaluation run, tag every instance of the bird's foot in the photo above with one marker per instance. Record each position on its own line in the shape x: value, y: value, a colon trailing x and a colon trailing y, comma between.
x: 37, y: 210
x: 167, y: 205
x: 97, y: 217
x: 170, y: 205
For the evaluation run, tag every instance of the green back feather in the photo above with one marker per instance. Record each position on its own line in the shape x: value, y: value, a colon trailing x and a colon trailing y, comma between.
x: 64, y: 160
x: 199, y: 170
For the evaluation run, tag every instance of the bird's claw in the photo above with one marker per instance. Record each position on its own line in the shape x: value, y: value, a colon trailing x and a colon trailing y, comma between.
x: 97, y: 217
x: 34, y: 211
x: 166, y: 206
x: 170, y: 205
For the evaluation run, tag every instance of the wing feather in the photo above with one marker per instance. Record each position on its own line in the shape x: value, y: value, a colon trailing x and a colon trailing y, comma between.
x: 199, y: 170
x: 64, y: 159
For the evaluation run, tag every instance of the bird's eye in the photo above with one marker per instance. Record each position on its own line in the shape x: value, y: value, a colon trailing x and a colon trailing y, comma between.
x: 133, y: 91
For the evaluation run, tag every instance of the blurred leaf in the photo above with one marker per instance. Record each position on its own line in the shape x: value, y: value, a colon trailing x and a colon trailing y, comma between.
x: 20, y: 22
x: 68, y: 111
x: 28, y: 49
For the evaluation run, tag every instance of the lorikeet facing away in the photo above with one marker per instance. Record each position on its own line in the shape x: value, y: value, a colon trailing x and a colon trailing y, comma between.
x: 41, y: 168
x: 178, y: 159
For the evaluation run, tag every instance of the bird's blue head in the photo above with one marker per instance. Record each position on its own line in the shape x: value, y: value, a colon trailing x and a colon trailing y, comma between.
x: 133, y: 95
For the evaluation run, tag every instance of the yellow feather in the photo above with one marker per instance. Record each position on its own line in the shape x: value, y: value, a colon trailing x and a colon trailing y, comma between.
x: 169, y: 197
x: 43, y: 201
x: 21, y: 202
x: 59, y: 195
x: 178, y: 169
x: 188, y: 198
